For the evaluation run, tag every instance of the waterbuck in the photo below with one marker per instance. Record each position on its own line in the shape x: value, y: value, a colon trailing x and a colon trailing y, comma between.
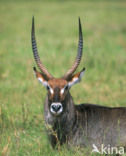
x: 81, y: 125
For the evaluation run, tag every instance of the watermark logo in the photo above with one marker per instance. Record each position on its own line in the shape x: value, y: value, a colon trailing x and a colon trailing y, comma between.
x: 108, y: 149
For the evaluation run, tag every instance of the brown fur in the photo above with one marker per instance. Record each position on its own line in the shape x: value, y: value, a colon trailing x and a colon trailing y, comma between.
x: 84, y: 124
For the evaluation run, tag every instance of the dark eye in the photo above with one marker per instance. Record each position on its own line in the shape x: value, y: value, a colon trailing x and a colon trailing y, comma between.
x: 47, y: 87
x: 66, y: 88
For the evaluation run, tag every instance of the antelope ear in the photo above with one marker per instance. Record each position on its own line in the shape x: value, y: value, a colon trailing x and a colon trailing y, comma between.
x: 40, y: 77
x: 76, y: 78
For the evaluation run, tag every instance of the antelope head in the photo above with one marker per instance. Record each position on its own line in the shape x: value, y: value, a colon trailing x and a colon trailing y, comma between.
x: 57, y: 88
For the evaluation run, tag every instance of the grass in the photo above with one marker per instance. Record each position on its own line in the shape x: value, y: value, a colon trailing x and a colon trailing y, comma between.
x: 22, y: 129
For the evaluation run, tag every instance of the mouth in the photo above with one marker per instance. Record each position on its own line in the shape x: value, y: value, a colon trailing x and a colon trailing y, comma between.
x: 56, y: 108
x: 56, y: 114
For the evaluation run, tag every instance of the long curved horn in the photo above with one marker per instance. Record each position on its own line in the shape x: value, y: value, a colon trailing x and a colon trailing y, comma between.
x: 79, y: 54
x: 35, y: 52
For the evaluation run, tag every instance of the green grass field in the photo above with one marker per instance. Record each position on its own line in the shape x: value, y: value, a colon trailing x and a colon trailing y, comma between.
x: 22, y: 129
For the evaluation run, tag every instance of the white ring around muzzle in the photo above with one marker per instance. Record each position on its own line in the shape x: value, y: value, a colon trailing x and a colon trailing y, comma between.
x: 56, y: 108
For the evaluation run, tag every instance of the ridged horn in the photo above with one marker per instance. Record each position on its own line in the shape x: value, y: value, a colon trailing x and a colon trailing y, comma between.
x: 36, y: 55
x: 79, y: 54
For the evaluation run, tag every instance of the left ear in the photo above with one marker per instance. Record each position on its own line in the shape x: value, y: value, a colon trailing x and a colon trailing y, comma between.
x: 76, y: 78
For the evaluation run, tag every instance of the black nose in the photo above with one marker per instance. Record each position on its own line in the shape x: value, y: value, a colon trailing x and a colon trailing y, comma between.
x: 56, y: 108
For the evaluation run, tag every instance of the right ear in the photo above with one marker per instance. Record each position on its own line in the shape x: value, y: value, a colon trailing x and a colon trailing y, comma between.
x: 41, y: 78
x: 76, y: 78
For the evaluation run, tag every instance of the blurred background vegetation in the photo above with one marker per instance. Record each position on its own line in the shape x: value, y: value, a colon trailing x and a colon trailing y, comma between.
x: 22, y: 130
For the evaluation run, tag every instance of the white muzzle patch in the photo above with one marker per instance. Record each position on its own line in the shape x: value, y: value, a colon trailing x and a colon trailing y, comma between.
x: 56, y: 108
